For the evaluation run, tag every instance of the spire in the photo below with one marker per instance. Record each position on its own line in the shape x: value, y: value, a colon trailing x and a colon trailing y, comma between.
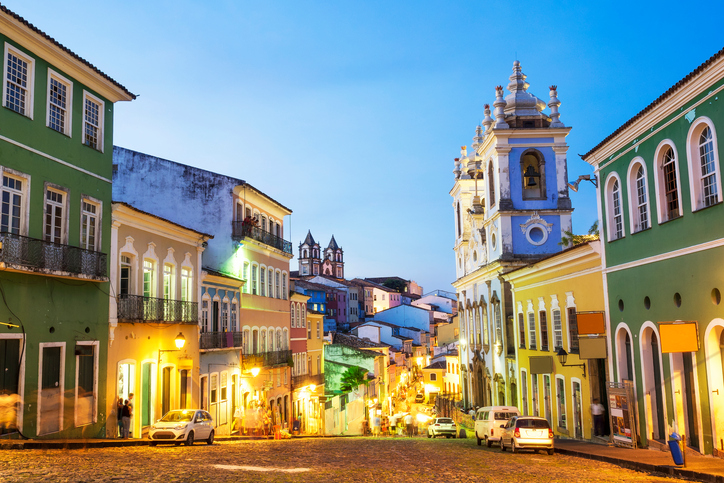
x: 456, y: 171
x: 499, y: 105
x: 554, y: 104
x: 333, y: 244
x: 520, y: 102
x: 487, y: 121
x: 309, y: 240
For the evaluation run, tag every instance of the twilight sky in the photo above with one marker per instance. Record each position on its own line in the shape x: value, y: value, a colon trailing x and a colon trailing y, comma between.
x: 351, y: 112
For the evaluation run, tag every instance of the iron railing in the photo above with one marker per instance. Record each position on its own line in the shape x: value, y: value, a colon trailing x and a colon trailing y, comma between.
x: 151, y: 309
x: 307, y: 379
x: 267, y: 359
x: 220, y: 340
x: 241, y: 230
x: 38, y: 255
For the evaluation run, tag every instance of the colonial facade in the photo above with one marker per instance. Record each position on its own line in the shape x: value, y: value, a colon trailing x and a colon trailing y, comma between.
x: 55, y: 232
x: 247, y: 262
x: 155, y: 271
x: 511, y: 206
x: 313, y: 262
x: 660, y: 212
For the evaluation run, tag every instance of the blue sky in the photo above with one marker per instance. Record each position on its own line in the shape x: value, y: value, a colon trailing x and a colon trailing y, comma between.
x: 350, y: 113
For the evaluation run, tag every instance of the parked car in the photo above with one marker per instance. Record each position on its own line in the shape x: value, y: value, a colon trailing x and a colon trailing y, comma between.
x: 183, y: 426
x: 442, y: 427
x: 488, y: 421
x: 420, y: 397
x: 527, y: 432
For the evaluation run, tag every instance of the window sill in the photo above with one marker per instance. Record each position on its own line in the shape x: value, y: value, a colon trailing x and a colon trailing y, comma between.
x: 18, y: 113
x: 617, y: 239
x: 702, y: 208
x: 671, y: 219
x: 640, y: 231
x: 60, y: 132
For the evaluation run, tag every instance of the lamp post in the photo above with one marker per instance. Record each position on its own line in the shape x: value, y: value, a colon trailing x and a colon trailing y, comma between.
x: 563, y: 357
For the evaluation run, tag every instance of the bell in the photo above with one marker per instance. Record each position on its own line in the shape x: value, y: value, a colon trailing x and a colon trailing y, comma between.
x: 531, y: 182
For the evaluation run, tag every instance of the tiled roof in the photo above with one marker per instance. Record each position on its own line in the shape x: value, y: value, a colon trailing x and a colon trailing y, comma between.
x: 47, y: 37
x: 353, y: 341
x: 402, y: 337
x: 220, y: 274
x: 658, y: 100
x: 123, y: 203
x: 436, y: 365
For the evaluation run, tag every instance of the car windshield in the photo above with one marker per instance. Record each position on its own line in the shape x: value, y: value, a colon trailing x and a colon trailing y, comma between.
x: 504, y: 416
x: 177, y: 416
x: 444, y: 421
x: 532, y: 423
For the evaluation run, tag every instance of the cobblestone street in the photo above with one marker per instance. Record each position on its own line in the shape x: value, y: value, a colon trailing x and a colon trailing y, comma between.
x: 319, y: 460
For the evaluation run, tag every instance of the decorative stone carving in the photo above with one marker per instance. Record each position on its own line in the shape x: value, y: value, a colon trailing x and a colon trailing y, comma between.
x: 499, y: 105
x: 487, y: 121
x: 554, y: 103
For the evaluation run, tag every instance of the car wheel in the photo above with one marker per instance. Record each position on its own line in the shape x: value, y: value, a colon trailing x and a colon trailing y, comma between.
x: 488, y: 443
x: 550, y: 451
x: 211, y: 438
x: 190, y: 439
x: 153, y: 443
x: 502, y: 446
x: 429, y: 435
x: 480, y: 441
x: 447, y: 436
x: 513, y: 449
x: 455, y: 436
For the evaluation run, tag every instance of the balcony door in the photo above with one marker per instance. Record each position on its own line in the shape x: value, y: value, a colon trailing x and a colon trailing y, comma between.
x: 147, y: 383
x: 54, y: 227
x: 166, y: 392
x: 215, y: 316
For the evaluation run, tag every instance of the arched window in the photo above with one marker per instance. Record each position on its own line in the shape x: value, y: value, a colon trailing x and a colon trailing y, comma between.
x: 614, y: 214
x: 667, y: 182
x: 704, y: 175
x: 263, y: 223
x: 491, y: 184
x: 532, y: 172
x: 638, y: 200
x: 293, y: 314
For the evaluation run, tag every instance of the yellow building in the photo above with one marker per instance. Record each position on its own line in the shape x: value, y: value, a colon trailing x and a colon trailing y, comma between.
x: 308, y: 370
x: 549, y: 296
x: 153, y: 348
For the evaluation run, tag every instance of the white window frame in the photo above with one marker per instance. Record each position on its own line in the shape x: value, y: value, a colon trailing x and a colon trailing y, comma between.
x: 262, y: 280
x: 153, y: 282
x: 61, y: 383
x: 557, y: 329
x: 24, y: 194
x: 30, y: 90
x: 611, y: 232
x: 206, y: 313
x: 186, y: 290
x: 96, y: 347
x: 285, y: 293
x: 634, y: 203
x: 101, y: 120
x: 532, y: 330
x: 64, y: 205
x: 662, y: 212
x: 225, y: 327
x: 694, y: 162
x: 245, y: 267
x: 53, y: 75
x: 270, y: 282
x: 98, y: 216
x: 565, y: 403
x: 524, y: 392
x: 254, y: 278
x: 233, y: 315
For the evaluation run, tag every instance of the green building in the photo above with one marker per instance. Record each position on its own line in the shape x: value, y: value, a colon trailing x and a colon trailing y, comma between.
x: 662, y: 225
x: 56, y: 148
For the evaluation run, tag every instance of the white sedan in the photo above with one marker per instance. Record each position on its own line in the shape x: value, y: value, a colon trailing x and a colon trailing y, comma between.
x: 183, y: 425
x: 527, y: 432
x: 442, y: 427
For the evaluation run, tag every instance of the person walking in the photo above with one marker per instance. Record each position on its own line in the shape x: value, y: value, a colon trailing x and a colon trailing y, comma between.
x: 126, y: 418
x: 597, y: 410
x: 119, y: 416
x: 409, y: 425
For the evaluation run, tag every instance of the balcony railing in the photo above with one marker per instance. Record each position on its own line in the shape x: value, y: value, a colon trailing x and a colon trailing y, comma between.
x: 149, y: 309
x: 307, y: 379
x: 220, y: 340
x: 267, y: 359
x: 36, y: 255
x: 241, y: 229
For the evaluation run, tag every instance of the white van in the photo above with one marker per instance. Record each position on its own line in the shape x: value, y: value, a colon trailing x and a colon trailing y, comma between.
x: 488, y: 421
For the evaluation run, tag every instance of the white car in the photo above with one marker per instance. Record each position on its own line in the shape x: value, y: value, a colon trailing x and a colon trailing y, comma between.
x: 442, y: 427
x: 527, y: 432
x: 183, y: 425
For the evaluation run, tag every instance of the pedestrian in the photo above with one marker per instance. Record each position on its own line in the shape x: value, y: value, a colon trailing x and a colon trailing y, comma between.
x: 597, y: 410
x: 376, y: 426
x: 408, y: 424
x: 126, y: 418
x: 119, y: 416
x: 130, y: 413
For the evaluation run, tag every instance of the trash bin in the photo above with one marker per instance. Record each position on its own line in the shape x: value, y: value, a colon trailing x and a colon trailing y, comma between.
x: 676, y: 453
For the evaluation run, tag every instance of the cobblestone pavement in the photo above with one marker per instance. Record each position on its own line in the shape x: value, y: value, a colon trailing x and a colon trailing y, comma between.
x: 319, y: 460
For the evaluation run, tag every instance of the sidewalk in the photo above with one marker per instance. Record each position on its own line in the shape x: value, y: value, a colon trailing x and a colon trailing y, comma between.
x: 700, y: 468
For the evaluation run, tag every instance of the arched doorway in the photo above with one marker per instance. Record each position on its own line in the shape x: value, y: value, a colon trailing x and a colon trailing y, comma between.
x: 687, y: 407
x: 714, y: 345
x: 624, y: 355
x: 479, y: 384
x: 652, y: 384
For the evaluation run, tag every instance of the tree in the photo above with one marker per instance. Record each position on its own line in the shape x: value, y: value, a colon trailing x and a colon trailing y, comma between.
x: 353, y: 378
x: 396, y: 285
x: 569, y: 239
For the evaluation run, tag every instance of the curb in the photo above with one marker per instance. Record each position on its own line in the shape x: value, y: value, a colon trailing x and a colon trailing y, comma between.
x: 645, y: 467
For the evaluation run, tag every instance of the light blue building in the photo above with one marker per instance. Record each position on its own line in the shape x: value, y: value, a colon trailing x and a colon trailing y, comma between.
x: 511, y: 207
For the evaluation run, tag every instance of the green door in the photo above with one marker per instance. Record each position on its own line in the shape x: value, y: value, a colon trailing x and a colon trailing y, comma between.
x: 146, y: 394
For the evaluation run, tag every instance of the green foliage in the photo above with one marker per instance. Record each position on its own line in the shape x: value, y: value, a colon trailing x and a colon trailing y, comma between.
x: 352, y: 379
x: 396, y: 285
x: 569, y: 239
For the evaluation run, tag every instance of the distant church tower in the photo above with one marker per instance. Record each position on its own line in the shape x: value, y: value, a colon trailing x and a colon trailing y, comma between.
x: 310, y: 259
x: 511, y: 207
x: 333, y: 264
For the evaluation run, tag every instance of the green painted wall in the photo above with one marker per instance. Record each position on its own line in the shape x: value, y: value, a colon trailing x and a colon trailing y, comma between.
x: 75, y: 309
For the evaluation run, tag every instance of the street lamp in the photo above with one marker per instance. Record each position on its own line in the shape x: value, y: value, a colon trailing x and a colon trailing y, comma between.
x: 563, y: 357
x: 179, y: 341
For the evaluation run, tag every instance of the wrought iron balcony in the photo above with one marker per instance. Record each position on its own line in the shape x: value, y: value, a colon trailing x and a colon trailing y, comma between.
x: 138, y: 308
x: 220, y: 340
x: 267, y: 359
x: 32, y: 254
x: 241, y: 230
x: 307, y: 379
